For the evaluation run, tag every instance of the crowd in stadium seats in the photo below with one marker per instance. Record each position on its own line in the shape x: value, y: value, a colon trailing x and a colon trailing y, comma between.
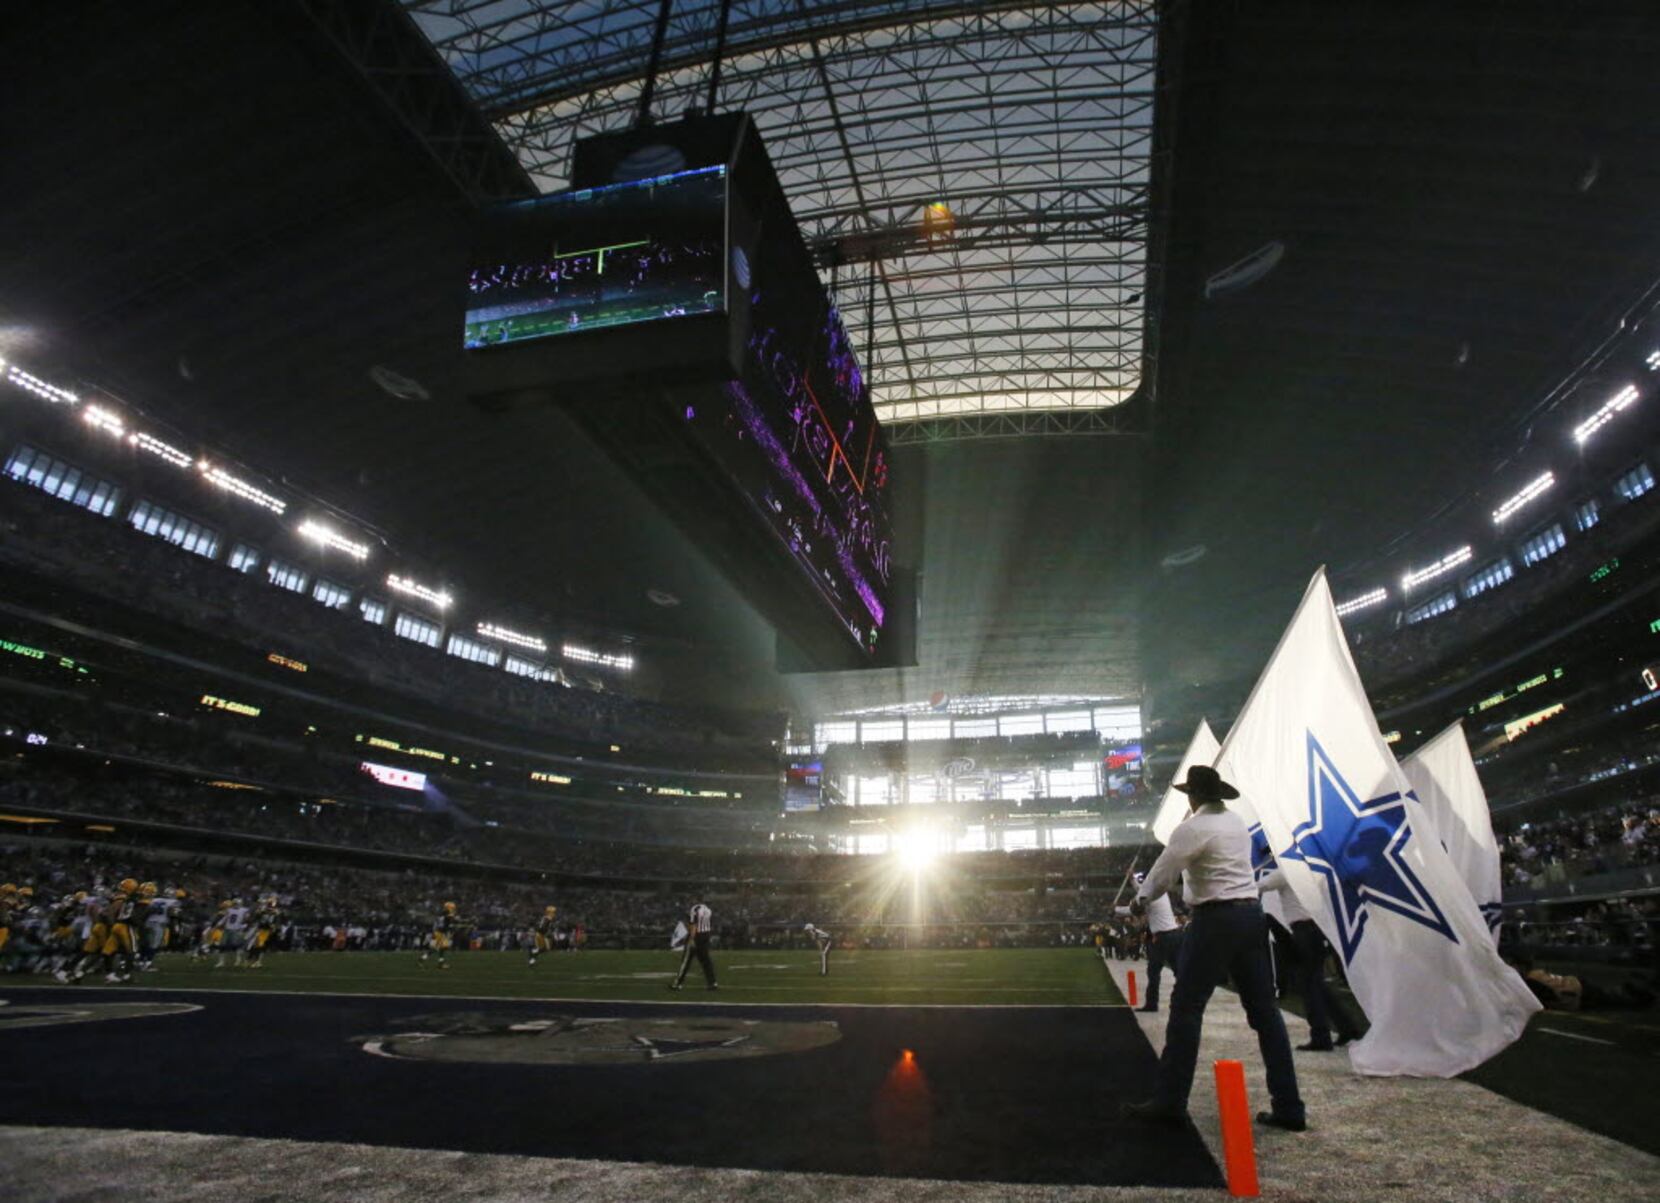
x: 1626, y: 924
x: 1539, y: 854
x: 96, y: 564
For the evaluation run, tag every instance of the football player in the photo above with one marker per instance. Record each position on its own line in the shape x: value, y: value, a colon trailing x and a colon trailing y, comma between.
x: 541, y: 936
x: 15, y: 944
x: 236, y: 933
x: 214, y: 938
x: 123, y: 918
x: 444, y: 927
x: 266, y: 921
x: 27, y: 944
x: 89, y: 931
x: 8, y: 908
x: 64, y: 941
x: 824, y: 940
x: 155, y: 922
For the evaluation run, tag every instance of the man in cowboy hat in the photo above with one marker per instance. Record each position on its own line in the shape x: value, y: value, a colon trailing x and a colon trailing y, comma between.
x: 1227, y: 936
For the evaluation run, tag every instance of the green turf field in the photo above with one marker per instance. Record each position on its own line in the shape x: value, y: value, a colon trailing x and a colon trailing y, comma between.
x: 1029, y: 976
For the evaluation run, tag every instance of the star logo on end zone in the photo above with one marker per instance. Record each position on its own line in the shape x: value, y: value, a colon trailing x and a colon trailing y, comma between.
x: 544, y: 1039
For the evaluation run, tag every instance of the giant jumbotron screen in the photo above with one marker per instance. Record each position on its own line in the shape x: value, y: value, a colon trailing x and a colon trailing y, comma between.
x: 681, y: 320
x: 593, y: 258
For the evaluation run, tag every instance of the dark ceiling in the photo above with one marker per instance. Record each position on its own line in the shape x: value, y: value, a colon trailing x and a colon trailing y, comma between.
x: 1465, y: 194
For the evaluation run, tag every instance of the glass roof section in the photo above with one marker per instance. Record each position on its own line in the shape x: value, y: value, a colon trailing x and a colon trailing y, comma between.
x: 1031, y: 124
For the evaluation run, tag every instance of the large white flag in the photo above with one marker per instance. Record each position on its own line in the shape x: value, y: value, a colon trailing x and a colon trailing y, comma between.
x: 1201, y: 749
x: 1361, y: 855
x: 1443, y: 775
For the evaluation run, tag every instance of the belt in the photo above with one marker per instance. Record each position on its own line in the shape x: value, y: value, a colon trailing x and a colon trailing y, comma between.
x: 1227, y: 902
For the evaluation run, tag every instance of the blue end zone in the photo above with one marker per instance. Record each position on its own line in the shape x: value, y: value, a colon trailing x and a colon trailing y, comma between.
x: 1026, y: 1095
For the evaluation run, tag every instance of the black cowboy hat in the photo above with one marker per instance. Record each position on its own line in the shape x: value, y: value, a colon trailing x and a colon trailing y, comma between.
x: 1205, y: 782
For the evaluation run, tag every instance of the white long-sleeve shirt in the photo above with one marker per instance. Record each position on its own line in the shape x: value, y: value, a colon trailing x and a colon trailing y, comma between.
x: 1161, y: 916
x: 1213, y: 848
x: 1293, y: 910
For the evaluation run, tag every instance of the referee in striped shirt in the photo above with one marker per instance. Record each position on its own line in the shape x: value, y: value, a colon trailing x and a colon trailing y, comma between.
x: 700, y: 922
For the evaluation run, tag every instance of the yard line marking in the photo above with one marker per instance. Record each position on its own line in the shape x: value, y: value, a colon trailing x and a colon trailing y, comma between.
x: 1576, y: 1036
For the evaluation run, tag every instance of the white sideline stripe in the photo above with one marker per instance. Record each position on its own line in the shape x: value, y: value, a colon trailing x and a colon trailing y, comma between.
x: 1575, y: 1035
x: 626, y: 1002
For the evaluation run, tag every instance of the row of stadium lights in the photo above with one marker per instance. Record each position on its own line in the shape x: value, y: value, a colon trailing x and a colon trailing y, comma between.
x: 108, y: 422
x: 1534, y: 489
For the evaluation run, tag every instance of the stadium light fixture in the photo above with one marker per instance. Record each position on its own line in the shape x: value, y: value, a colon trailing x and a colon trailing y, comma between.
x: 236, y: 485
x: 326, y: 536
x: 44, y: 389
x: 503, y: 635
x: 99, y: 418
x: 436, y: 597
x: 1606, y: 414
x: 1532, y: 489
x: 1653, y: 361
x: 1364, y: 602
x: 603, y: 659
x: 159, y: 449
x: 1445, y: 564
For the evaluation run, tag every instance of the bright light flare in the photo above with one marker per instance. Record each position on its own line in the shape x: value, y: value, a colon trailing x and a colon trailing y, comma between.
x: 438, y: 598
x: 1364, y: 602
x: 326, y: 536
x: 44, y: 389
x: 103, y: 419
x: 235, y: 485
x: 916, y: 850
x: 1531, y: 490
x: 1606, y: 414
x: 1442, y: 566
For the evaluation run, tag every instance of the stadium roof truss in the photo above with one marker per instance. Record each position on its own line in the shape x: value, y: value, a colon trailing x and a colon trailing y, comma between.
x: 1032, y: 124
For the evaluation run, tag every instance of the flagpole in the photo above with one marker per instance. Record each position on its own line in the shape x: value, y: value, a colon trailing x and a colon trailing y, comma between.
x: 1134, y: 860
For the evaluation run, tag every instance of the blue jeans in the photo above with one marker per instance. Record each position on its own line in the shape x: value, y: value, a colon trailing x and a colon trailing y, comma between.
x: 1225, y: 941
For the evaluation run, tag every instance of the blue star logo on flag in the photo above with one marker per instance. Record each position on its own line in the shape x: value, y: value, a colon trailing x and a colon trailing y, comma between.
x: 1262, y: 860
x: 1357, y: 850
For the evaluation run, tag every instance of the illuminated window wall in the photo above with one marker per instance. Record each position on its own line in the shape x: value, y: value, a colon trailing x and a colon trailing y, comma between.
x: 286, y: 576
x: 418, y: 630
x: 335, y: 597
x: 1119, y: 723
x: 244, y: 558
x: 471, y: 649
x: 979, y: 837
x: 151, y: 519
x: 63, y: 481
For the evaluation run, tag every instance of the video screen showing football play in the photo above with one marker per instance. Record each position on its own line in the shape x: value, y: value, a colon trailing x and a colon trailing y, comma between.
x: 841, y: 600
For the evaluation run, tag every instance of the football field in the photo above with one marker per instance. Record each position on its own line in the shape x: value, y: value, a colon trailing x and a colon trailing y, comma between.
x: 1048, y: 977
